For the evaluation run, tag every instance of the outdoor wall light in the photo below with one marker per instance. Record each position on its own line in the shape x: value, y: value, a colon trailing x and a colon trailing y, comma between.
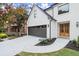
x: 77, y: 24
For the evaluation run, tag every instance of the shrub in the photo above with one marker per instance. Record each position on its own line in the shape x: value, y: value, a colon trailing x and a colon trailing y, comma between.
x: 1, y: 29
x: 45, y: 41
x: 3, y: 35
x: 76, y: 42
x: 12, y: 37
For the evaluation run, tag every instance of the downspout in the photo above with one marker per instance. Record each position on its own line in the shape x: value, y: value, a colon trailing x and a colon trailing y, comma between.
x: 50, y: 25
x: 27, y: 28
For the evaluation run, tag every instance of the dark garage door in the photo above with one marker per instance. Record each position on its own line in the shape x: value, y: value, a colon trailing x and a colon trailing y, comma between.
x: 39, y: 31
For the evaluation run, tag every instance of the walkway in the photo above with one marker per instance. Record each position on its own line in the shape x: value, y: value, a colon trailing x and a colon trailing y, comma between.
x: 26, y: 43
x: 57, y: 45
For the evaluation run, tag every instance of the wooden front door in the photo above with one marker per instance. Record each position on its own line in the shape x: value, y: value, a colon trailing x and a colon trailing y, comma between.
x: 64, y: 30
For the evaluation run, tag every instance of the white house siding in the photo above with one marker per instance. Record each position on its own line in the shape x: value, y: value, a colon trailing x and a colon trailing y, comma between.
x: 74, y: 31
x: 72, y: 17
x: 53, y: 29
x: 41, y: 18
x: 50, y: 11
x: 61, y: 17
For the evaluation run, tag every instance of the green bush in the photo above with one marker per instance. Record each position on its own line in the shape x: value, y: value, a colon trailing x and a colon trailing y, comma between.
x: 45, y: 41
x: 12, y: 37
x: 76, y: 42
x: 3, y: 35
x: 1, y: 30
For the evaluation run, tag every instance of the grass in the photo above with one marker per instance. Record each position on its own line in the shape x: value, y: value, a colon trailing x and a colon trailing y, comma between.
x: 62, y: 52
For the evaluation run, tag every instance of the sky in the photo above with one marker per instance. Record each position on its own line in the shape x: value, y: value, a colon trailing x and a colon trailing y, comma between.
x: 28, y: 6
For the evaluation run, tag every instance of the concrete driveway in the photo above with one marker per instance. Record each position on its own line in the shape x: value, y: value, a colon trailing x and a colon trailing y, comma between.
x: 12, y: 47
x: 27, y: 44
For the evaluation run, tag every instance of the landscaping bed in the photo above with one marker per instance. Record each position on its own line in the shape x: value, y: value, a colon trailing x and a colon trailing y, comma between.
x: 71, y: 45
x: 4, y: 36
x: 46, y: 42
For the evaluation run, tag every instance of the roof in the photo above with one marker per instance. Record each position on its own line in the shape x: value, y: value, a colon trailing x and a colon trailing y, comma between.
x: 46, y: 13
x: 51, y: 6
x: 43, y: 11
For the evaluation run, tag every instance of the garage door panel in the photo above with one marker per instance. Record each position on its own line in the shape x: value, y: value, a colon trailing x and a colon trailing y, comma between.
x: 38, y: 31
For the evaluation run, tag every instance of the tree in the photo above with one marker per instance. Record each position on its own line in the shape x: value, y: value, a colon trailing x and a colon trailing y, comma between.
x: 21, y: 16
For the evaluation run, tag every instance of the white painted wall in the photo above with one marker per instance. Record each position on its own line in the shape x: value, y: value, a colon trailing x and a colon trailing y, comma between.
x: 50, y: 11
x: 72, y: 16
x: 53, y: 29
x: 74, y: 31
x: 61, y: 17
x: 41, y: 18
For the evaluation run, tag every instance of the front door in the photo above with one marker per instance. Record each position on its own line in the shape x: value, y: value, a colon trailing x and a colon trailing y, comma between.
x: 64, y: 30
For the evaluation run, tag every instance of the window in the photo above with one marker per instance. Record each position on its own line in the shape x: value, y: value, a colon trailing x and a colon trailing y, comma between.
x: 63, y: 8
x: 13, y: 29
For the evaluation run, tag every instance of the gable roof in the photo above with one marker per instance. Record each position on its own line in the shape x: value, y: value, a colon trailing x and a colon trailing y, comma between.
x: 46, y: 13
x: 41, y: 10
x: 51, y: 6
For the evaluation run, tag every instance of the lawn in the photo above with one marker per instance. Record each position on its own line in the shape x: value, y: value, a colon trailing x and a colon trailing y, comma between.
x: 62, y: 52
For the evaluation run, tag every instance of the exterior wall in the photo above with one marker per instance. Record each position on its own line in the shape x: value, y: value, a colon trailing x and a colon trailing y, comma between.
x: 41, y: 18
x: 74, y: 30
x: 72, y: 17
x: 53, y: 29
x: 50, y: 11
x: 61, y: 17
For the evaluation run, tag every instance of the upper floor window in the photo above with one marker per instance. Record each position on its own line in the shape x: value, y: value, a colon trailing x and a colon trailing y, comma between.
x: 63, y: 8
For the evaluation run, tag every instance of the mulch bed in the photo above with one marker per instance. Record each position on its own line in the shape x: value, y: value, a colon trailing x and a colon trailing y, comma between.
x: 46, y: 42
x: 72, y: 46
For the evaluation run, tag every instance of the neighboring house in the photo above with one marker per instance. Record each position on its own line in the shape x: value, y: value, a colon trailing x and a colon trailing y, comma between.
x: 12, y: 28
x: 61, y: 20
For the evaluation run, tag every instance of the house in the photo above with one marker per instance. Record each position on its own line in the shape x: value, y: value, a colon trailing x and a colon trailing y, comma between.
x: 61, y: 20
x: 12, y: 28
x: 38, y: 22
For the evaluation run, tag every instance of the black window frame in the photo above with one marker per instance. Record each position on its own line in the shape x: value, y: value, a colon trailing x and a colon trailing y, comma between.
x: 63, y: 11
